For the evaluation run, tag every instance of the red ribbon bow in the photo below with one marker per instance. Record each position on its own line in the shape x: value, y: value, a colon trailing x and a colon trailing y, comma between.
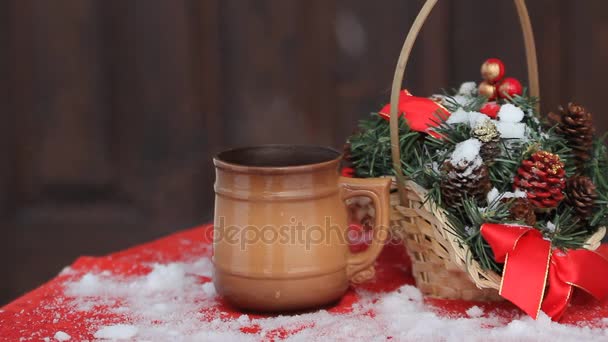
x: 531, y: 264
x: 421, y: 113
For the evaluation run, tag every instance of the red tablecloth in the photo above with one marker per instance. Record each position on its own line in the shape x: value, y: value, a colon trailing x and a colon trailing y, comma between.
x: 37, y: 314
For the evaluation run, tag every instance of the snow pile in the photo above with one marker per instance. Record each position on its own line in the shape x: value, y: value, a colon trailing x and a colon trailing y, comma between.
x: 459, y: 116
x: 466, y: 92
x: 171, y: 294
x: 511, y: 130
x: 470, y: 118
x: 61, y: 336
x: 466, y: 151
x: 510, y: 113
x: 494, y: 196
x: 170, y: 304
x: 209, y: 290
x: 162, y: 277
x: 468, y: 89
x: 462, y: 100
x: 407, y: 318
x: 475, y: 311
x: 116, y: 332
x: 509, y: 126
x: 476, y: 118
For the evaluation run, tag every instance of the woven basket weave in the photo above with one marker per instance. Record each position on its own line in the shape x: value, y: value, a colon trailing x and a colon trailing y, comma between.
x: 442, y: 266
x: 434, y: 261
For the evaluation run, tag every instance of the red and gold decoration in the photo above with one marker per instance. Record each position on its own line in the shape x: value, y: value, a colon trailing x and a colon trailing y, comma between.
x: 549, y: 275
x: 421, y: 113
x: 542, y: 178
x: 492, y: 70
x: 496, y: 159
x: 488, y: 134
x: 488, y: 90
x: 493, y: 85
x: 490, y: 109
x: 509, y: 87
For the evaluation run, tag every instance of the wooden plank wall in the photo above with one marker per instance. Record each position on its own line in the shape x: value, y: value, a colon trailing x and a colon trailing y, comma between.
x: 111, y: 109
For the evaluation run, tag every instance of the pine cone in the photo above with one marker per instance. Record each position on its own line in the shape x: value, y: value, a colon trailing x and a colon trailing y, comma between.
x: 542, y: 178
x: 576, y: 125
x: 465, y: 179
x: 581, y: 194
x: 521, y: 210
x: 487, y: 133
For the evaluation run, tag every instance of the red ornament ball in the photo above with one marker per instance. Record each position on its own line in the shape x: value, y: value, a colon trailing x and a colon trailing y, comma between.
x: 490, y: 109
x: 509, y: 87
x: 492, y: 70
x: 488, y: 90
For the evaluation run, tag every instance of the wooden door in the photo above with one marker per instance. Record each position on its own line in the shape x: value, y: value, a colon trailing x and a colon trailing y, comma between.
x: 107, y: 130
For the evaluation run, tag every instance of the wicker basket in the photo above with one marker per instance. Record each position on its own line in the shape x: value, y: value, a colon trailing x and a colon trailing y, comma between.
x: 441, y: 265
x: 436, y: 267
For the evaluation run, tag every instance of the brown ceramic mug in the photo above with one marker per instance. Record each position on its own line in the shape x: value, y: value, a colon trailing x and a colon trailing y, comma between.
x: 280, y: 227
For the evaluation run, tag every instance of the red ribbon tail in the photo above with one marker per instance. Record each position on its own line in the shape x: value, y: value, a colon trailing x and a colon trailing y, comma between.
x: 526, y: 256
x: 584, y: 269
x: 530, y: 263
x: 576, y: 268
x: 525, y: 273
x: 558, y: 295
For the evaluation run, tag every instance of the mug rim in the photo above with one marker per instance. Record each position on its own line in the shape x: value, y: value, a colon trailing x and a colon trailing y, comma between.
x: 220, y: 163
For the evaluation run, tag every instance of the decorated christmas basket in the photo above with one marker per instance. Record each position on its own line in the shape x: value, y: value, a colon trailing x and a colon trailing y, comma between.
x: 492, y: 199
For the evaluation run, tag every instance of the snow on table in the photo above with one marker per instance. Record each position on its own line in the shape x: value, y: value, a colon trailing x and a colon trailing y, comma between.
x: 162, y: 291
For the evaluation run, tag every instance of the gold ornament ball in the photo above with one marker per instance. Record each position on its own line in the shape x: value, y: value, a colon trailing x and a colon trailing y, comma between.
x: 488, y: 90
x: 492, y: 70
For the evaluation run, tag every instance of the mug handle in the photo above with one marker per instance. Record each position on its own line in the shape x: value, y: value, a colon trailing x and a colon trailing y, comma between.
x: 360, y: 265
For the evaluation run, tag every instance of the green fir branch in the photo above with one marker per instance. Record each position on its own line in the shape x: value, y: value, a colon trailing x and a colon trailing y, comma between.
x: 422, y: 156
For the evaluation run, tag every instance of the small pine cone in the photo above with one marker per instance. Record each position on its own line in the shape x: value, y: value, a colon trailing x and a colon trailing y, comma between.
x: 465, y: 179
x: 542, y: 178
x: 490, y: 150
x: 576, y: 125
x: 581, y: 194
x: 521, y: 210
x: 488, y: 134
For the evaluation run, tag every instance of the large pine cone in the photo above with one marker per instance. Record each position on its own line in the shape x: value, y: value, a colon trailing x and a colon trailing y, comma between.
x: 581, y: 194
x: 542, y: 178
x: 521, y: 210
x: 576, y: 125
x: 487, y: 133
x: 464, y: 180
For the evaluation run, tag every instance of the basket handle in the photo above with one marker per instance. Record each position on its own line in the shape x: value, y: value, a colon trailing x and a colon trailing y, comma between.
x: 526, y: 26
